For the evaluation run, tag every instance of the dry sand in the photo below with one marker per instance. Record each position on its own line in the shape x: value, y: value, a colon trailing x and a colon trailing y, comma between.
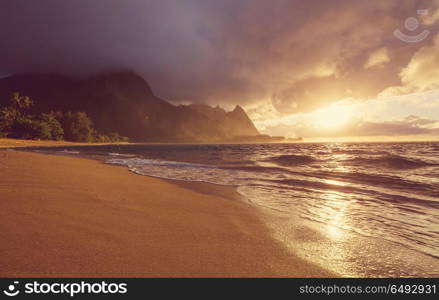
x: 63, y: 216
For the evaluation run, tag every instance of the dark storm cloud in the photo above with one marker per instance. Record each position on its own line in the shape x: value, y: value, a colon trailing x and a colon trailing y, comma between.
x: 299, y: 54
x: 173, y: 44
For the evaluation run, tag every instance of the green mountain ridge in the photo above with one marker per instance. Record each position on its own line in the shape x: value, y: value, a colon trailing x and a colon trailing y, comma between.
x: 124, y: 102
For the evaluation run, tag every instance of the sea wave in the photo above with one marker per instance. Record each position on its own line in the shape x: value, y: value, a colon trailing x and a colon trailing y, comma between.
x: 390, y: 161
x: 300, y: 183
x: 258, y: 169
x: 71, y: 152
x: 291, y: 160
x: 121, y: 154
x: 136, y: 161
x: 383, y: 190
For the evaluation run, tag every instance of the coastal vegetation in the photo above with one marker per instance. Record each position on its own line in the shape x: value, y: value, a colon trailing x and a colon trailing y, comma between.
x: 18, y: 121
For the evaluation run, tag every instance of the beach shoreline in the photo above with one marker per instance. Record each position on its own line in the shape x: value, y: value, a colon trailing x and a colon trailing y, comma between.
x: 113, y: 223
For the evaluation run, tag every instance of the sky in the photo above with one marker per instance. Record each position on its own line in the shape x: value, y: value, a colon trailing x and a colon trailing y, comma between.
x: 314, y: 68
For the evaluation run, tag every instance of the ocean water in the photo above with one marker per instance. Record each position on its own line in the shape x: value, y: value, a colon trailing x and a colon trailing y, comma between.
x: 382, y: 191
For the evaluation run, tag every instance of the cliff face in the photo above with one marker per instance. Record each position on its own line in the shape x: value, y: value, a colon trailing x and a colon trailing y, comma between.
x: 230, y: 124
x: 124, y: 102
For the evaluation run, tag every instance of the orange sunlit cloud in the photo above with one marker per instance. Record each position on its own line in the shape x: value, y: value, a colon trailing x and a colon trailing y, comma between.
x: 278, y: 59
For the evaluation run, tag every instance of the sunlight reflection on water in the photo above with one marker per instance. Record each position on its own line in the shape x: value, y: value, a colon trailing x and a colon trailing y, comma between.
x: 376, y: 204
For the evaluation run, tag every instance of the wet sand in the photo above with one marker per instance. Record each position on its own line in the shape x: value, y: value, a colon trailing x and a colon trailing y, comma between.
x: 63, y: 216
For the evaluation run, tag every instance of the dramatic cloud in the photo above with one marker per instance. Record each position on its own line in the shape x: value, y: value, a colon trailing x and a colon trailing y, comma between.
x: 276, y: 58
x: 410, y: 126
x: 377, y: 58
x: 422, y: 72
x: 411, y: 114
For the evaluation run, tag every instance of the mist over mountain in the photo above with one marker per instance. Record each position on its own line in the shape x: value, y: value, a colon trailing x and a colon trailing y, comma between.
x: 124, y: 102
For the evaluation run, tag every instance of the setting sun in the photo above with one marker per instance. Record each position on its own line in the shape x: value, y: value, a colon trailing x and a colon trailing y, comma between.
x: 219, y: 139
x: 333, y: 117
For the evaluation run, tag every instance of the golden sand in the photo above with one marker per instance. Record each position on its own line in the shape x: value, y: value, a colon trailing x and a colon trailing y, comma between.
x: 63, y: 216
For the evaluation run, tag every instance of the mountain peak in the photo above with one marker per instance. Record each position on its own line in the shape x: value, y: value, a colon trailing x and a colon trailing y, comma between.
x: 239, y: 109
x: 239, y: 120
x: 123, y: 102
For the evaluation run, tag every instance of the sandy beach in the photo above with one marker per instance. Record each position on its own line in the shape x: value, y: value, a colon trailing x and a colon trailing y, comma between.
x: 63, y: 216
x: 17, y: 143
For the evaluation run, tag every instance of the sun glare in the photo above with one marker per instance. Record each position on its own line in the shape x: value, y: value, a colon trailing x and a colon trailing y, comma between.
x: 333, y: 117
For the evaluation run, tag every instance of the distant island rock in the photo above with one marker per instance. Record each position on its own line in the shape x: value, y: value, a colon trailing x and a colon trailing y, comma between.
x: 123, y: 102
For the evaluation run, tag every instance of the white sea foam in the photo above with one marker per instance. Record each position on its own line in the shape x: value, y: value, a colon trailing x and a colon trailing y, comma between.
x: 384, y: 190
